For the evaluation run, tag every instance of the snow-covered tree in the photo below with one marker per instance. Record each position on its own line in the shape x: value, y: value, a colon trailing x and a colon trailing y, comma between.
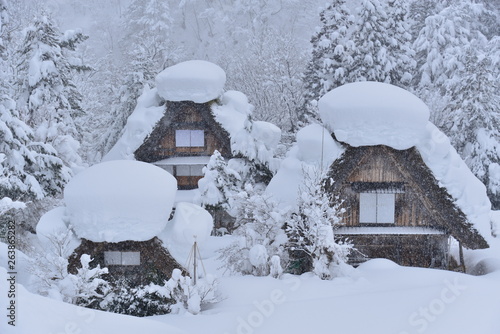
x: 442, y: 40
x: 310, y: 230
x: 471, y: 118
x: 219, y: 184
x: 400, y: 47
x: 29, y: 170
x: 331, y: 59
x: 382, y: 50
x: 48, y: 98
x: 260, y: 235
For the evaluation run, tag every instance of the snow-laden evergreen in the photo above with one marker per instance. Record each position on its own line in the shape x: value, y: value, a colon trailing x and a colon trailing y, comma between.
x: 331, y: 60
x: 382, y: 44
x: 47, y: 96
x: 473, y: 114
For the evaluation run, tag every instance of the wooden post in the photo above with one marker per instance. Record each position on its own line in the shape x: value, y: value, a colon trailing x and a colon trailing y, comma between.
x: 461, y: 255
x: 194, y: 262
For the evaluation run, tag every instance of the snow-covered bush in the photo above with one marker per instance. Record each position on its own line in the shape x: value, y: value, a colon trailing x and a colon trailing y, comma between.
x: 260, y: 233
x: 141, y: 301
x: 311, y: 241
x: 188, y: 296
x: 88, y: 285
x: 85, y: 288
x: 219, y: 183
x: 176, y: 295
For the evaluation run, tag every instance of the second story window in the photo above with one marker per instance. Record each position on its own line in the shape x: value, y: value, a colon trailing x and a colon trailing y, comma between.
x: 189, y: 138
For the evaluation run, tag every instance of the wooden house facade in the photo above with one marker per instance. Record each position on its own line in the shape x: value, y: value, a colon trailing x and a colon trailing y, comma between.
x: 138, y: 262
x: 395, y: 208
x: 183, y: 141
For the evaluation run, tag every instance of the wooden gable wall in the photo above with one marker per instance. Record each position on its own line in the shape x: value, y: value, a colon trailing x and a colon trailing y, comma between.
x: 377, y: 164
x: 185, y: 115
x: 422, y: 203
x: 156, y: 263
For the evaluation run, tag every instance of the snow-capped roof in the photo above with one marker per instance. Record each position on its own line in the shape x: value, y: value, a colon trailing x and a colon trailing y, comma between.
x: 369, y: 113
x: 194, y: 80
x: 374, y: 113
x: 120, y: 200
x: 256, y: 140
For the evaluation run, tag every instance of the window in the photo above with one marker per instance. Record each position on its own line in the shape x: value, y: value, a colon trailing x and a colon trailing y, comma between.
x: 116, y: 258
x: 189, y: 138
x: 377, y: 208
x: 189, y: 170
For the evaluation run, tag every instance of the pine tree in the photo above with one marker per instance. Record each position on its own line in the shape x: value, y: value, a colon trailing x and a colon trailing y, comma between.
x: 51, y: 100
x: 331, y: 60
x: 471, y: 118
x: 382, y: 44
x: 400, y: 44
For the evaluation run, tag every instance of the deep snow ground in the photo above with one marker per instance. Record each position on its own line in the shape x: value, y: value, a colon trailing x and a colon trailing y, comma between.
x: 379, y: 297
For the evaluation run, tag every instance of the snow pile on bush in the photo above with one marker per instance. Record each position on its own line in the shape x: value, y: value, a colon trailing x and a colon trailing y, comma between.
x: 314, y: 151
x: 374, y: 113
x: 52, y: 229
x: 140, y: 124
x: 255, y: 140
x: 120, y: 200
x: 190, y: 223
x: 177, y: 295
x: 194, y: 80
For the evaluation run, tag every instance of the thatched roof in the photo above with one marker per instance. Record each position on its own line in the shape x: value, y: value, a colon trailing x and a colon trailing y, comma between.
x: 436, y: 199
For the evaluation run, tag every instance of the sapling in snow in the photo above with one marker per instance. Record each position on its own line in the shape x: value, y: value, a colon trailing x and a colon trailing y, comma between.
x: 312, y: 243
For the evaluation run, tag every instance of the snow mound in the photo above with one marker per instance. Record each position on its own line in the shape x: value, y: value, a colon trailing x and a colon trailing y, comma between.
x: 53, y: 223
x: 374, y: 113
x: 189, y: 220
x: 194, y: 80
x: 314, y: 151
x: 139, y: 125
x: 191, y: 223
x: 120, y: 200
x: 256, y: 140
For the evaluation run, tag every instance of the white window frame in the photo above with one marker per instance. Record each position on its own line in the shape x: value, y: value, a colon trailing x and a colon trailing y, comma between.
x: 377, y: 208
x: 117, y: 258
x: 189, y: 138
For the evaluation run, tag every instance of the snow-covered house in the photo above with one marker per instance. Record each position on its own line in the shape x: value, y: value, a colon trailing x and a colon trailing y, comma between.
x: 401, y: 201
x: 117, y: 211
x: 405, y: 191
x: 181, y: 122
